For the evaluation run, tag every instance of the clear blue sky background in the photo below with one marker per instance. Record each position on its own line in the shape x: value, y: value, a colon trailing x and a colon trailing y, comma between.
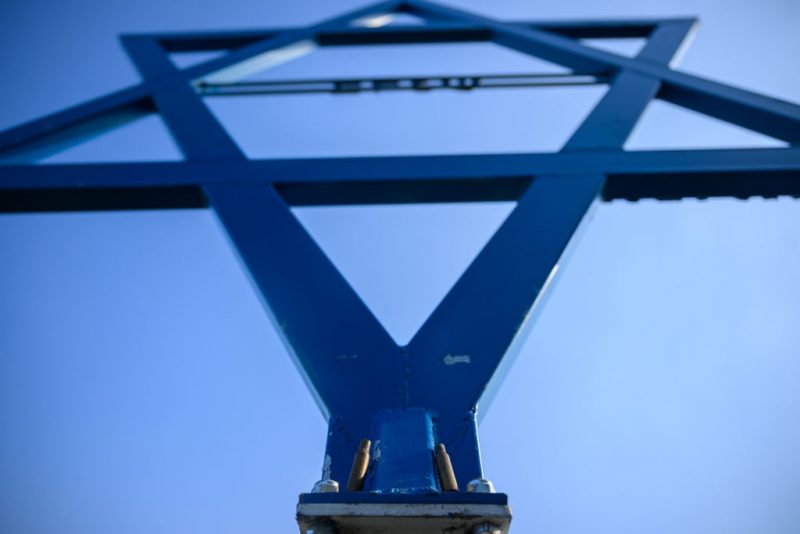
x: 143, y: 389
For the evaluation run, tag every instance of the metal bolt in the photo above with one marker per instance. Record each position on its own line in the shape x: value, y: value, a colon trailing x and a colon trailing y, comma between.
x: 480, y: 485
x: 486, y: 528
x: 360, y: 465
x: 445, y: 468
x: 326, y: 486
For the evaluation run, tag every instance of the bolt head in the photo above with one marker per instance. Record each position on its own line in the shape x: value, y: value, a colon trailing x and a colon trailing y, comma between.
x: 480, y: 485
x: 326, y: 486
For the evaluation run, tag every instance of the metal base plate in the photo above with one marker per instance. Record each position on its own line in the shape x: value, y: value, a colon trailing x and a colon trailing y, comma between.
x: 401, y: 514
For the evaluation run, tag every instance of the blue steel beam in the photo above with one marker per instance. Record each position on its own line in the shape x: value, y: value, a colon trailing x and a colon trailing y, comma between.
x: 57, y: 139
x: 350, y: 363
x: 148, y: 56
x: 464, y: 343
x: 170, y: 193
x: 300, y: 177
x: 31, y: 140
x: 441, y: 33
x: 594, y: 29
x: 102, y: 199
x: 667, y: 41
x: 409, y: 168
x: 763, y: 114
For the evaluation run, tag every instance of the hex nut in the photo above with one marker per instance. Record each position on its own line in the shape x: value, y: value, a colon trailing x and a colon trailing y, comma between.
x: 480, y: 485
x: 486, y: 528
x: 326, y: 486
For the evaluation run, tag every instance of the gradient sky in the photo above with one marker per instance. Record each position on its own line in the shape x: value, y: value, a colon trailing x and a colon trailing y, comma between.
x: 143, y: 388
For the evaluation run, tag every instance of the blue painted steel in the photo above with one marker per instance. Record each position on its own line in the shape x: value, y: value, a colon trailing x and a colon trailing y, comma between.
x: 348, y: 360
x: 465, y: 339
x: 366, y: 385
x: 402, y: 453
x: 680, y: 174
x: 614, y: 117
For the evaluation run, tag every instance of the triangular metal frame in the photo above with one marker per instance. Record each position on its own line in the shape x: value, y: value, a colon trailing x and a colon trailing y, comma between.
x: 351, y: 364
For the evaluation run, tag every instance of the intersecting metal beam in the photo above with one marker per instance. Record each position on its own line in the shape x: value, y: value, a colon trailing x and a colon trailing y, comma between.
x: 333, y: 180
x: 613, y: 119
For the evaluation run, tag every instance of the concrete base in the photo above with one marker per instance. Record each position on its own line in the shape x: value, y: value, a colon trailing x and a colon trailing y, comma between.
x: 423, y: 517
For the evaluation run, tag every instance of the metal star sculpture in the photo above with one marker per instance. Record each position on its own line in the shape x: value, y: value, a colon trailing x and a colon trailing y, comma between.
x: 353, y: 367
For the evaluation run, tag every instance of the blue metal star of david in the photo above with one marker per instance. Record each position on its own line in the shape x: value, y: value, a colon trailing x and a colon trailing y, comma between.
x: 460, y: 354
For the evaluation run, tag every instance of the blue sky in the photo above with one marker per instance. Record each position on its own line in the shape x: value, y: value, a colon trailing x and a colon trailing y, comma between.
x: 143, y: 389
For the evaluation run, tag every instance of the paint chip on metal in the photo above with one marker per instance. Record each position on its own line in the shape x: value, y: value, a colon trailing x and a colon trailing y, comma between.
x: 452, y: 360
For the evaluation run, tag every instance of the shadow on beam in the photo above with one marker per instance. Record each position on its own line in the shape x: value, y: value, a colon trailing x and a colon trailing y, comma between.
x: 666, y: 186
x: 101, y: 199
